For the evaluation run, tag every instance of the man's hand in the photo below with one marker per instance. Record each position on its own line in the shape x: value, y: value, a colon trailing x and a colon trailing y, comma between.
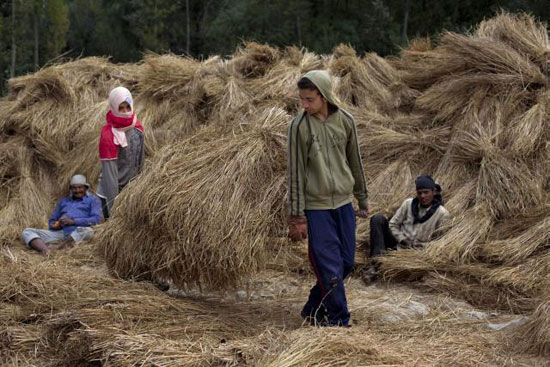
x: 297, y: 228
x: 66, y: 221
x: 363, y: 213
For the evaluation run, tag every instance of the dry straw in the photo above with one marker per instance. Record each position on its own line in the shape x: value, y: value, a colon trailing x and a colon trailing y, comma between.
x: 522, y: 32
x: 471, y: 110
x: 206, y: 210
x: 493, y: 97
x: 534, y: 336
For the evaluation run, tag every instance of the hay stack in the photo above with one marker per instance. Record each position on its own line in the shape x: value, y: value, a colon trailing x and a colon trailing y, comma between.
x: 253, y: 60
x: 205, y: 209
x: 49, y: 131
x: 277, y: 87
x: 472, y: 111
x: 170, y: 95
x: 369, y: 82
x: 490, y: 90
x: 521, y: 32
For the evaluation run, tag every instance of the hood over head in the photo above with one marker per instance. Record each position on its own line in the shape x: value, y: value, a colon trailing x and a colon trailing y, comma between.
x: 321, y: 79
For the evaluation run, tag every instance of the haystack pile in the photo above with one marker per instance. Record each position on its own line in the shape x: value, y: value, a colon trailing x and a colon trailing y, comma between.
x: 473, y: 112
x: 213, y: 204
x: 48, y: 131
x: 49, y: 124
x: 491, y: 91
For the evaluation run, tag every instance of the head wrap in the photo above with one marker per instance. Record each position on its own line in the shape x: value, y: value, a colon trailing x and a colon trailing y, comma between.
x: 117, y: 97
x: 78, y: 179
x: 425, y: 182
x: 113, y: 132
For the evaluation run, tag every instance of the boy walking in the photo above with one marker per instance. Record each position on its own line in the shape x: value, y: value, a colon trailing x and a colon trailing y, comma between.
x: 325, y: 171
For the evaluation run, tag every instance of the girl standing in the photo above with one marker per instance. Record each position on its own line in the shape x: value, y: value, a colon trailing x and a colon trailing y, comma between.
x: 121, y: 148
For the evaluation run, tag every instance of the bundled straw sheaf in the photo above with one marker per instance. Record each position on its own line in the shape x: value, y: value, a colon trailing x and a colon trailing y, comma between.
x: 204, y: 212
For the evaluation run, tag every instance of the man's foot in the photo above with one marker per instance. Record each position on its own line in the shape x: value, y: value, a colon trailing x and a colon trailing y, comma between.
x: 161, y: 285
x: 369, y: 275
x: 67, y: 242
x: 45, y: 252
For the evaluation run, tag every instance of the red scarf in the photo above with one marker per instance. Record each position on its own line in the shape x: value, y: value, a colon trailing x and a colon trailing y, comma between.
x: 107, y: 148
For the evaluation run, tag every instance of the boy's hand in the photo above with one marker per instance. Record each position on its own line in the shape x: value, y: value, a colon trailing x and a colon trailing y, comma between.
x: 363, y: 213
x: 297, y: 228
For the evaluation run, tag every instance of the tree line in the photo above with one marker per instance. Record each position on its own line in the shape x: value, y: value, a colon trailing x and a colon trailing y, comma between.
x: 34, y: 33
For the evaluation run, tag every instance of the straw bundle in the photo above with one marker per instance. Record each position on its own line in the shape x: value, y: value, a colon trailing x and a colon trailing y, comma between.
x: 493, y: 57
x: 28, y: 203
x: 534, y: 336
x: 522, y: 32
x: 507, y: 186
x: 228, y: 96
x: 278, y: 85
x: 170, y: 93
x: 421, y: 44
x: 369, y: 82
x: 420, y: 69
x: 253, y: 60
x: 528, y: 132
x: 198, y: 218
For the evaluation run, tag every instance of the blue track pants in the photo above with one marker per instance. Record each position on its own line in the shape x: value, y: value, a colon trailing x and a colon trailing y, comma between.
x: 331, y: 253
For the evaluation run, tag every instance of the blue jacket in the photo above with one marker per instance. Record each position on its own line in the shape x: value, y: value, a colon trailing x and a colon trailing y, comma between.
x: 85, y: 212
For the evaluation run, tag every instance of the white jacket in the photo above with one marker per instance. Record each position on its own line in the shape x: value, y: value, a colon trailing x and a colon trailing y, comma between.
x: 402, y: 226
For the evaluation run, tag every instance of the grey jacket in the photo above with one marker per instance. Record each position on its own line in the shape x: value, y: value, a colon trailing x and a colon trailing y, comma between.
x: 116, y: 173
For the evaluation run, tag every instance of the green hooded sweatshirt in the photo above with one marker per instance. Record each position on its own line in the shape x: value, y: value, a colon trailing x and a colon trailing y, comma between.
x: 324, y: 163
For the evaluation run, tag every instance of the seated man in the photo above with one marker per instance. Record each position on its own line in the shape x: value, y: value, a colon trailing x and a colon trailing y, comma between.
x: 412, y: 225
x: 70, y: 221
